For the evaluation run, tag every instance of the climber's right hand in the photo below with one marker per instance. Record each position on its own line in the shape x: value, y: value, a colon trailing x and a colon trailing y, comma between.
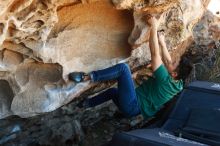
x: 152, y: 21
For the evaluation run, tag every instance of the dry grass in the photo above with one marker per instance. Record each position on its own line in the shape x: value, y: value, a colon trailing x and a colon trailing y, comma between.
x: 215, y: 72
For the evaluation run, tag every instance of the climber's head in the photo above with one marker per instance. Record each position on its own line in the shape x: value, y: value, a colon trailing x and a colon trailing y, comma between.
x: 180, y: 70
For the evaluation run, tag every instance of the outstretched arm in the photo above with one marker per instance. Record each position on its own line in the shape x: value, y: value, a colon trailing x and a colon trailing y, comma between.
x: 167, y: 60
x: 154, y: 45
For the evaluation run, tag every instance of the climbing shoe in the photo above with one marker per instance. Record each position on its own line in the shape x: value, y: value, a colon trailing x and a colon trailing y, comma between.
x: 77, y: 76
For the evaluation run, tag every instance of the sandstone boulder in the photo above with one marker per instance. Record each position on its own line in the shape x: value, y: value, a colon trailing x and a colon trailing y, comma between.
x: 42, y: 41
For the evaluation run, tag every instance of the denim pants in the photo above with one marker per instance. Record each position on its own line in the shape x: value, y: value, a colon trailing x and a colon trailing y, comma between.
x: 124, y: 96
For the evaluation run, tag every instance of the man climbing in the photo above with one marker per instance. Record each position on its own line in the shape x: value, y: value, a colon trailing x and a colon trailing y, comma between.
x: 148, y: 98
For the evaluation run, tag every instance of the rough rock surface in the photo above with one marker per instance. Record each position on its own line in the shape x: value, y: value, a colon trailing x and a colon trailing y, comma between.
x: 70, y: 125
x: 42, y: 41
x: 207, y: 30
x: 205, y: 51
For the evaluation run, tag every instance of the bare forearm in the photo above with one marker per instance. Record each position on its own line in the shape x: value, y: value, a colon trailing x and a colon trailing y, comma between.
x: 165, y: 54
x: 154, y: 48
x: 153, y: 42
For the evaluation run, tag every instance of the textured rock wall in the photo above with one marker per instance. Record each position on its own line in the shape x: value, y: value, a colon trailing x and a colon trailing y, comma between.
x: 41, y: 41
x: 205, y: 51
x: 207, y: 30
x: 70, y: 125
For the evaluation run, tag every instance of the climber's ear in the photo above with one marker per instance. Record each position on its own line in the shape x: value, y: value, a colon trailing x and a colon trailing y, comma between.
x: 174, y: 74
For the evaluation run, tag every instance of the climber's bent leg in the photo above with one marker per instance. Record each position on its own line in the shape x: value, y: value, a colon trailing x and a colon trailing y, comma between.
x: 126, y: 98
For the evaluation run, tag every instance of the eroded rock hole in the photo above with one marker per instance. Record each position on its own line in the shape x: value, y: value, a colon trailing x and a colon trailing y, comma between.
x: 6, y: 97
x: 12, y: 29
x: 16, y: 5
x: 1, y: 28
x: 38, y: 23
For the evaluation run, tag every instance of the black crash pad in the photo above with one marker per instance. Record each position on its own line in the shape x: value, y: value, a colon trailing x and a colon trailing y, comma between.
x: 198, y: 94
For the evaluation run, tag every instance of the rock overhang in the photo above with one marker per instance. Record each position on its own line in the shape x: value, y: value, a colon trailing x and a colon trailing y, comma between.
x: 43, y: 41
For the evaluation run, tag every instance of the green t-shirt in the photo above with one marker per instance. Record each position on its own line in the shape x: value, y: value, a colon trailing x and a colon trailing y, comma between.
x: 156, y: 91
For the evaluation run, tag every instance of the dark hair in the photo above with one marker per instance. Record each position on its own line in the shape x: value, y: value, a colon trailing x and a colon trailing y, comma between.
x: 184, y: 68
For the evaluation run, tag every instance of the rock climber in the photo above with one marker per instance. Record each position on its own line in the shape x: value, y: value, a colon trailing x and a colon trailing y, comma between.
x: 148, y: 98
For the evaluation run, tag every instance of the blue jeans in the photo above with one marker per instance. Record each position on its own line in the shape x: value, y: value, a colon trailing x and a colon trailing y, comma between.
x: 124, y: 96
